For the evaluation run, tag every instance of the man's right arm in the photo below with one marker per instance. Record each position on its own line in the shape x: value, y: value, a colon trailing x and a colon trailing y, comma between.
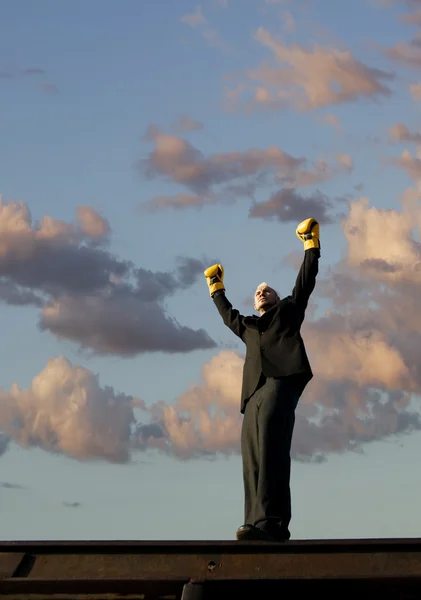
x: 231, y: 317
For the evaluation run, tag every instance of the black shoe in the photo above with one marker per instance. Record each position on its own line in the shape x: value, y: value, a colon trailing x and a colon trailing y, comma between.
x: 274, y: 530
x: 279, y: 535
x: 250, y: 532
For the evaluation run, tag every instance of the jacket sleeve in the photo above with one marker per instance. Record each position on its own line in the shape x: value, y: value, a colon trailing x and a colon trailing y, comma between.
x: 306, y: 279
x: 231, y: 316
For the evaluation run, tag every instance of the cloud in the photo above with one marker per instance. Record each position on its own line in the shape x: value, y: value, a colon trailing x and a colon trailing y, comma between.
x: 368, y: 376
x: 120, y: 324
x: 308, y: 79
x: 411, y: 4
x: 33, y: 71
x: 178, y: 161
x: 399, y: 259
x: 412, y: 18
x: 410, y: 164
x: 319, y: 171
x: 214, y: 39
x: 332, y: 416
x: 48, y: 88
x: 92, y: 224
x: 367, y: 379
x: 65, y: 410
x: 194, y: 19
x: 205, y: 419
x: 11, y: 486
x: 287, y: 205
x: 415, y: 90
x: 288, y: 22
x: 15, y: 295
x: 185, y: 123
x: 152, y: 131
x: 401, y: 133
x: 177, y: 202
x: 408, y: 53
x: 72, y: 504
x: 4, y: 443
x: 85, y: 293
x: 198, y: 20
x: 332, y: 120
x: 224, y: 177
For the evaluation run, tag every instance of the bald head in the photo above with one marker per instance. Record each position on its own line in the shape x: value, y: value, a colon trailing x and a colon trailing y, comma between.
x: 265, y: 297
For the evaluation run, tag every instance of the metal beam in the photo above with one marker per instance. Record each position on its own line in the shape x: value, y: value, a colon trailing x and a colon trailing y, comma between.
x: 151, y: 570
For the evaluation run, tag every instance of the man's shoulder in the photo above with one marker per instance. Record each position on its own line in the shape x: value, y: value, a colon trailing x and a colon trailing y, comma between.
x: 251, y: 322
x: 251, y: 318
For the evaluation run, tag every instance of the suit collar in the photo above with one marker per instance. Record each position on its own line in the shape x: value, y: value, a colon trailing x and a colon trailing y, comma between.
x: 262, y: 321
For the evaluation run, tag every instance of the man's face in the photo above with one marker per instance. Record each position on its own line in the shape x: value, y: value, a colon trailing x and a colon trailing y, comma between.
x: 264, y: 297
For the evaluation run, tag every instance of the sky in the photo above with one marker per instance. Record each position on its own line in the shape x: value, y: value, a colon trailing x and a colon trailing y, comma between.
x: 143, y: 142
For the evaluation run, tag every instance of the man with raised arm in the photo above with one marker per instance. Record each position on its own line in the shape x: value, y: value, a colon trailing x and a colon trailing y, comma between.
x: 276, y: 371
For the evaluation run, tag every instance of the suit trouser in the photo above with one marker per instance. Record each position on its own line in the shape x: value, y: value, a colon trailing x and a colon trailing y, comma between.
x: 266, y: 438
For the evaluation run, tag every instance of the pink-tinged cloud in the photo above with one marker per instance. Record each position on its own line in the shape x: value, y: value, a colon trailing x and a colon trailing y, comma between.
x: 227, y: 176
x: 332, y: 120
x: 195, y: 18
x: 92, y: 224
x: 307, y: 79
x: 178, y: 161
x: 410, y: 164
x: 415, y: 91
x: 400, y: 133
x: 184, y: 123
x: 408, y: 53
x: 413, y: 18
x: 198, y: 20
x: 319, y: 171
x: 66, y: 411
x: 86, y: 294
x: 397, y: 262
x: 367, y: 379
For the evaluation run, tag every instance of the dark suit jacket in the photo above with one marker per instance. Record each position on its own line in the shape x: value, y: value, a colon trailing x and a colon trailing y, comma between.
x: 273, y: 340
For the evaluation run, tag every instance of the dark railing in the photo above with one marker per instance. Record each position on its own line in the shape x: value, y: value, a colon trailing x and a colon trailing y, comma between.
x: 194, y: 570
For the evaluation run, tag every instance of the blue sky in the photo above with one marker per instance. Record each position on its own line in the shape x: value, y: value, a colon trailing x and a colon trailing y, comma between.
x: 194, y: 133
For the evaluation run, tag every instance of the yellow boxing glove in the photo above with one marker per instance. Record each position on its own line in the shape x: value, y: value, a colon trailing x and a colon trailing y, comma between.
x: 308, y: 231
x: 215, y: 278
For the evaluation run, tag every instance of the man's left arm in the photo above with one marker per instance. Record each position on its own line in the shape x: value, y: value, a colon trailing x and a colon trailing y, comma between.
x: 308, y: 232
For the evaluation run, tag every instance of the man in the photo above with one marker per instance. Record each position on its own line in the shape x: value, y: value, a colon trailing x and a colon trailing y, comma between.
x: 276, y: 371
